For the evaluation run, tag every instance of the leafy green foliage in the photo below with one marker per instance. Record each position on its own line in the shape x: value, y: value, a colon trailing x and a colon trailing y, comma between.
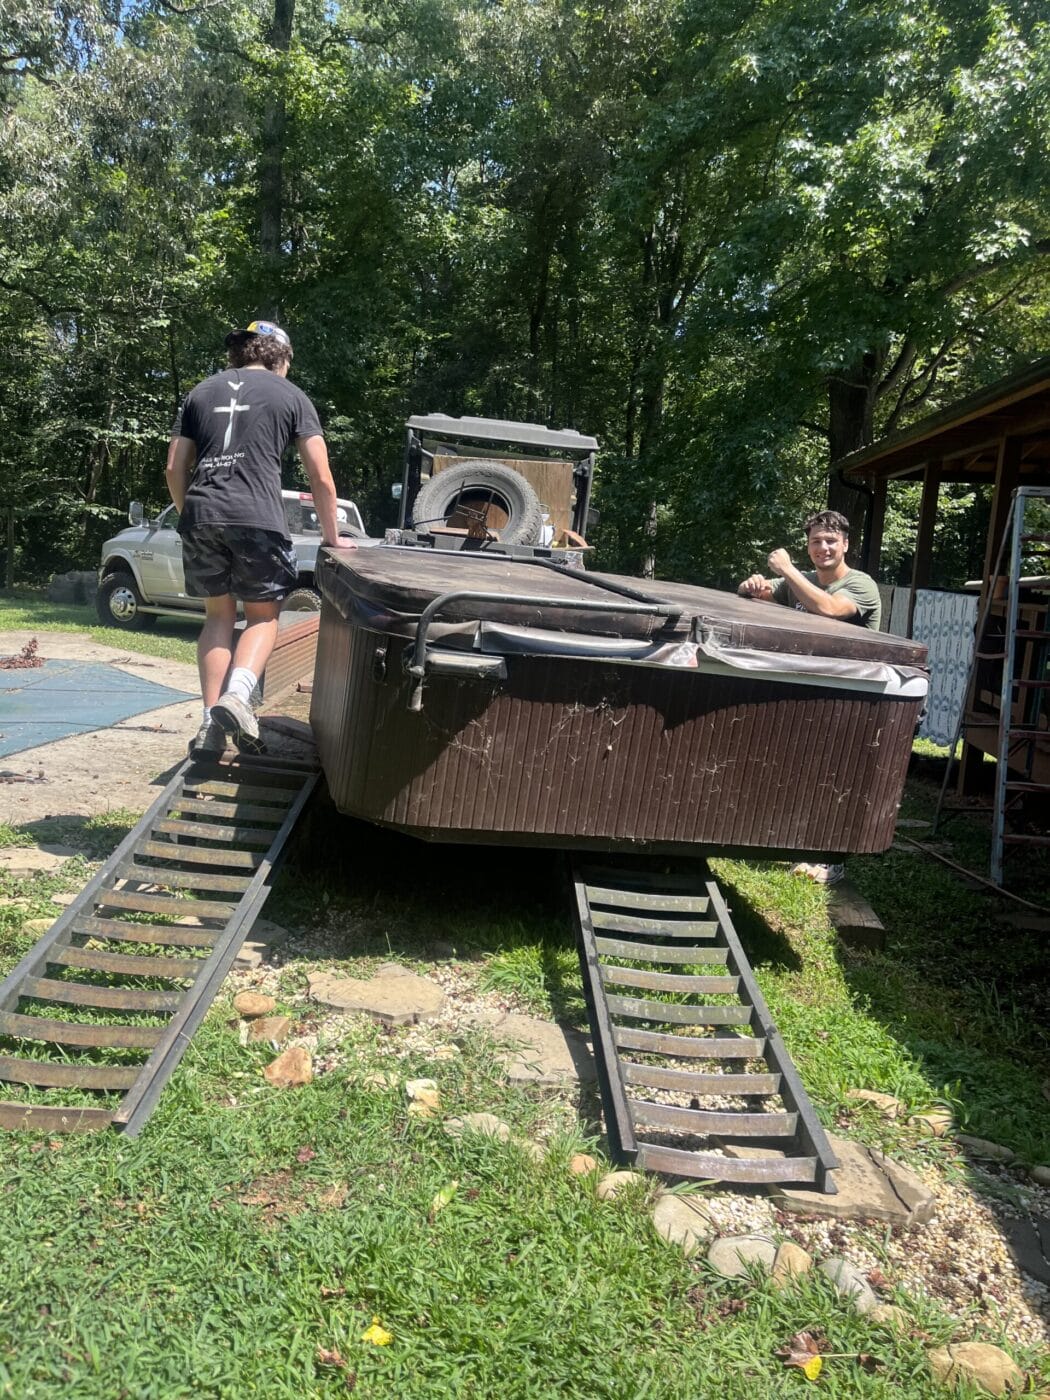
x: 733, y: 244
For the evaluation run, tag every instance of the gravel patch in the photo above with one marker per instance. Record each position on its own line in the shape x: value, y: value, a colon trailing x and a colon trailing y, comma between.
x: 960, y: 1259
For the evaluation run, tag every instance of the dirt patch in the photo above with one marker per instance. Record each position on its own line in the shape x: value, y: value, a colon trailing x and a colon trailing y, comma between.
x: 281, y: 1195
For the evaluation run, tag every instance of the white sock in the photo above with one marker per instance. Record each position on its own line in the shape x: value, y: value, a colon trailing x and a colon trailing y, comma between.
x: 242, y: 683
x: 206, y: 715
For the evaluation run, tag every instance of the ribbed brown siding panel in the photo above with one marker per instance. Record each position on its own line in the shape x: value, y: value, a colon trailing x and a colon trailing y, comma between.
x: 574, y: 749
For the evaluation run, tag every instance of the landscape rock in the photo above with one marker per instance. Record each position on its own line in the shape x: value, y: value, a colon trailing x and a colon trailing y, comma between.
x: 791, y: 1261
x: 274, y: 1030
x: 22, y: 861
x: 249, y: 1005
x: 484, y: 1124
x: 978, y: 1362
x: 981, y: 1147
x: 259, y: 948
x: 64, y: 899
x: 582, y: 1164
x: 1028, y: 1240
x: 890, y: 1316
x: 937, y: 1122
x: 887, y: 1105
x: 425, y: 1105
x: 415, y: 1087
x: 682, y: 1221
x: 734, y: 1255
x: 870, y: 1186
x: 392, y: 969
x: 291, y: 1069
x: 1040, y: 1175
x: 533, y: 1150
x: 613, y: 1183
x: 395, y: 1001
x: 36, y: 928
x: 850, y: 1282
x: 542, y: 1052
x: 376, y: 1080
x: 441, y: 1054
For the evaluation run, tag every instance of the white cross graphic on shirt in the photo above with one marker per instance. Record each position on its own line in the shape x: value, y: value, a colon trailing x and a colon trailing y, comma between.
x: 234, y: 407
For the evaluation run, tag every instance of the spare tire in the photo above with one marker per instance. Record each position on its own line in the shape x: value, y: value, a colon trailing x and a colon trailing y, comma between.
x: 511, y: 507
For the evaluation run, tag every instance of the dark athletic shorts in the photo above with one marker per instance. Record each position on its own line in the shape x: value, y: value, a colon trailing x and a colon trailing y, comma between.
x: 257, y: 566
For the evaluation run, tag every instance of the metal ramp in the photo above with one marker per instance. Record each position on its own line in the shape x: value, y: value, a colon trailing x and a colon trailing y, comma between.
x: 108, y: 1000
x: 688, y: 1058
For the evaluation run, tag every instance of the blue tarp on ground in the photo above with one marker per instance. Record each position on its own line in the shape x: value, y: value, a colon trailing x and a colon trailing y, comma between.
x: 44, y: 703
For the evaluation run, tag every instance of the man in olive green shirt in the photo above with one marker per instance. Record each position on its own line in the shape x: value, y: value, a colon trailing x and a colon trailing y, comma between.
x: 831, y: 588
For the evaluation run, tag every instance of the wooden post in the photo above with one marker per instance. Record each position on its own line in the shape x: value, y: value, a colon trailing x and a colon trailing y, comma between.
x: 920, y: 573
x: 876, y: 524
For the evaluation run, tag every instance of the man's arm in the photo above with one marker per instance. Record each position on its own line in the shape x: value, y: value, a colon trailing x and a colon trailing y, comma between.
x: 182, y: 454
x: 755, y: 586
x: 314, y: 456
x: 812, y: 598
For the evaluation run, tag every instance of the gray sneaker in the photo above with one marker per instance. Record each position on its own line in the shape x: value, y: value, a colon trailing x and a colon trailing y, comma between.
x: 209, y: 741
x: 238, y: 720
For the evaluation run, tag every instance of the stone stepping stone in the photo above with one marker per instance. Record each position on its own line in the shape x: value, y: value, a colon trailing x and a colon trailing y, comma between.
x: 870, y: 1187
x: 978, y: 1362
x: 734, y: 1255
x: 542, y: 1052
x: 1028, y: 1240
x: 682, y: 1221
x: 399, y: 1000
x: 850, y: 1282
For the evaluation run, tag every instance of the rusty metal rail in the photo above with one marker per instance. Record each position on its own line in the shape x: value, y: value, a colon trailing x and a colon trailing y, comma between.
x: 689, y: 1086
x: 108, y: 1000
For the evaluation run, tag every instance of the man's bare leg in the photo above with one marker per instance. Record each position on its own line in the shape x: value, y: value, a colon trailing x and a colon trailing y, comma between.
x: 233, y: 709
x: 215, y: 645
x: 256, y: 642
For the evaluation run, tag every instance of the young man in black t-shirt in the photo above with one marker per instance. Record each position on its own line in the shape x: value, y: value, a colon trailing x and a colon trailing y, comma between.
x: 224, y: 475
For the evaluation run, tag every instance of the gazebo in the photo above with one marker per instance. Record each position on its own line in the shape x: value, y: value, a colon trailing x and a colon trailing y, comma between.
x: 998, y: 437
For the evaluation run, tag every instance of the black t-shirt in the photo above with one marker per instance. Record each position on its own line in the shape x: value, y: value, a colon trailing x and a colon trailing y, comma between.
x: 241, y: 420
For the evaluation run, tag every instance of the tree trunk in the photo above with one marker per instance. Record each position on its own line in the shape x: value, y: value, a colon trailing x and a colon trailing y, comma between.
x: 271, y: 165
x: 852, y: 395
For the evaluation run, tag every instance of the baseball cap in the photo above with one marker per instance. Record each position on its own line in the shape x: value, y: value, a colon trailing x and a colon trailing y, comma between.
x: 262, y: 328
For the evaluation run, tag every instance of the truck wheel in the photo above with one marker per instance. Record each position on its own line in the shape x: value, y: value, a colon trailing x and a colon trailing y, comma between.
x: 511, y: 507
x: 302, y: 599
x: 119, y: 603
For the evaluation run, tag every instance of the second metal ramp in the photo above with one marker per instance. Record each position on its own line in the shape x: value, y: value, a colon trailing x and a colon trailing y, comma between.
x: 693, y: 1073
x: 105, y: 1004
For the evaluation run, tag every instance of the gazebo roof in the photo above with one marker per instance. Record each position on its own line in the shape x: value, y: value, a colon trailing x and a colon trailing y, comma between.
x: 965, y: 438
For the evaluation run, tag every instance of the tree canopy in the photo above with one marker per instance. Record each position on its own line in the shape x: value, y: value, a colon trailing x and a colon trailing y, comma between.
x: 732, y: 242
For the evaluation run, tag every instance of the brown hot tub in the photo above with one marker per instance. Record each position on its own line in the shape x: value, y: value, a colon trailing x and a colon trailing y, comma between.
x: 545, y: 709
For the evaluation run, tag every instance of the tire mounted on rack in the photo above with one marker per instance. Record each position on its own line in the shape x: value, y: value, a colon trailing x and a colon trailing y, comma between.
x: 511, y: 507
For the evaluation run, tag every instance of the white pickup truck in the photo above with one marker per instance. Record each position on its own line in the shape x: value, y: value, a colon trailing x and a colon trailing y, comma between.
x: 141, y: 577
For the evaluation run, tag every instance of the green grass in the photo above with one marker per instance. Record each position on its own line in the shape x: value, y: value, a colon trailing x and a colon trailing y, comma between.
x: 250, y: 1232
x: 25, y: 610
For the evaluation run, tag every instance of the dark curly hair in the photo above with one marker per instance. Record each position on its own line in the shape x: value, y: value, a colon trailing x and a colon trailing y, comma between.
x: 247, y: 348
x: 827, y: 520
